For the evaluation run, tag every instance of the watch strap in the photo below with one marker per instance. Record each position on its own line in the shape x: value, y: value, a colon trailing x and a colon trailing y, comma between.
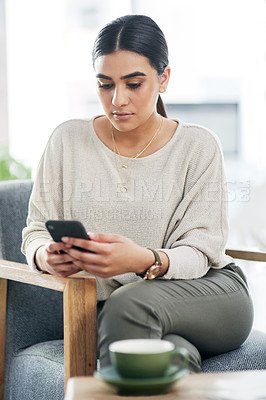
x: 157, y: 257
x: 158, y: 261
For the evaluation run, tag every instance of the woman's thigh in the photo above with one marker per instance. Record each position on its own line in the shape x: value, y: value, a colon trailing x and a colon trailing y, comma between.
x: 214, y: 313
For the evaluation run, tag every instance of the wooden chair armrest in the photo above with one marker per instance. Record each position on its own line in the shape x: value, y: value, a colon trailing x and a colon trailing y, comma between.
x: 242, y: 254
x: 22, y: 273
x: 80, y: 308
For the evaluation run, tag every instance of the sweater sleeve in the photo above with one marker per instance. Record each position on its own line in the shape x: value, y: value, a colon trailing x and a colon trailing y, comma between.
x: 197, y: 233
x: 46, y: 199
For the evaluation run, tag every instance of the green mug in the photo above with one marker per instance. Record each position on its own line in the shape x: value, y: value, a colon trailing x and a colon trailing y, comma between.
x: 145, y: 358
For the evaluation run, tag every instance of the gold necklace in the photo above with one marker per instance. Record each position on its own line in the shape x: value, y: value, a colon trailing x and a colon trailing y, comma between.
x: 124, y: 164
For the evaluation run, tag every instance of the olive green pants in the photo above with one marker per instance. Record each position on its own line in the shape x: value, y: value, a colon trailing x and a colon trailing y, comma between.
x: 208, y: 316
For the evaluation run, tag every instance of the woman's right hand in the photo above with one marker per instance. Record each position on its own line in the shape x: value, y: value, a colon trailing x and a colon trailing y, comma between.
x: 50, y: 258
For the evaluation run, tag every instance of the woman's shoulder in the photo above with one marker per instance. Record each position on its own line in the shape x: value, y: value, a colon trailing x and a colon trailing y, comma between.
x: 198, y: 135
x: 73, y: 132
x: 73, y: 127
x: 199, y: 131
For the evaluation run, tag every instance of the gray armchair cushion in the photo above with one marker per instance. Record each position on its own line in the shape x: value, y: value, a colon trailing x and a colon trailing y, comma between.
x: 14, y: 198
x: 250, y: 356
x: 38, y: 372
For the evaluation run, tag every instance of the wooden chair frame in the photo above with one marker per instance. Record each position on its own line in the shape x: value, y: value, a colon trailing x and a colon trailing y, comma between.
x: 80, y: 309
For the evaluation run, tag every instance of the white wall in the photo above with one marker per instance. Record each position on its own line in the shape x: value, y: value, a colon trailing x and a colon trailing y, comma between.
x: 36, y: 74
x: 3, y: 82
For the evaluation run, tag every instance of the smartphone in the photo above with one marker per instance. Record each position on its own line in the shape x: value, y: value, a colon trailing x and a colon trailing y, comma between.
x: 70, y: 228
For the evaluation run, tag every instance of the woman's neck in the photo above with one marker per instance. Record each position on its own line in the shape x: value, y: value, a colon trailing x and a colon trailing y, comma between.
x: 130, y: 143
x: 133, y: 141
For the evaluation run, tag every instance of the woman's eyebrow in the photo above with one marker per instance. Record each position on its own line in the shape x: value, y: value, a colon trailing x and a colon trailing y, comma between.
x: 132, y: 75
x: 103, y: 76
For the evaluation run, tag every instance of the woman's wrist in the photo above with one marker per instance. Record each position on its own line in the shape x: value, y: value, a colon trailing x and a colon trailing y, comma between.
x: 38, y: 259
x: 149, y: 260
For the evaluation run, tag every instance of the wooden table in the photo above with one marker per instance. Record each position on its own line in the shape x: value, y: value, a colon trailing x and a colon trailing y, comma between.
x: 244, y: 385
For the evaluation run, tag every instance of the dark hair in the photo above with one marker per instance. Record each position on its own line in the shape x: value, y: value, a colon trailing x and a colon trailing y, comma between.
x: 137, y: 33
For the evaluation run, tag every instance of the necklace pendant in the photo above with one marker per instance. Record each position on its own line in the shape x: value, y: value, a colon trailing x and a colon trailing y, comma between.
x: 124, y: 166
x: 124, y: 188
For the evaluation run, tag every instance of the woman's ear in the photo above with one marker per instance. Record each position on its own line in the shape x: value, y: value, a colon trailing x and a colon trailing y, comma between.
x: 164, y: 79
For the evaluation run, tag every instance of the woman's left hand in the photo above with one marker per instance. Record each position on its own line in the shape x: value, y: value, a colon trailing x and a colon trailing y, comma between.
x: 107, y: 255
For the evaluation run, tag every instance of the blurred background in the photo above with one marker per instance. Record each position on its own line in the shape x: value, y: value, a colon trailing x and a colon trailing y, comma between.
x: 217, y: 51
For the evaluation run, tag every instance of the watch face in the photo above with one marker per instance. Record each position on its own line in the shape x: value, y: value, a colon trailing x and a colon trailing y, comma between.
x: 153, y: 271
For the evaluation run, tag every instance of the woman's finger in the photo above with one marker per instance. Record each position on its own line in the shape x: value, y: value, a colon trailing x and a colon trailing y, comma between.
x: 64, y: 270
x: 105, y: 237
x: 96, y: 270
x: 86, y: 246
x: 54, y: 247
x: 57, y: 259
x: 95, y: 237
x: 87, y: 257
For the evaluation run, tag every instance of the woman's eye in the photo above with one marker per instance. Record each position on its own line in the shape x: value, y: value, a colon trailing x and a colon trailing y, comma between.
x: 105, y: 86
x: 134, y: 85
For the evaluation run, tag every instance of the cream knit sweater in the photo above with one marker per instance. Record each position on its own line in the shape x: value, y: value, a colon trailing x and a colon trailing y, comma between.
x: 176, y: 199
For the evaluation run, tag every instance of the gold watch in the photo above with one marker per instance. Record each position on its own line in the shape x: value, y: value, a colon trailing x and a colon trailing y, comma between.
x: 153, y: 271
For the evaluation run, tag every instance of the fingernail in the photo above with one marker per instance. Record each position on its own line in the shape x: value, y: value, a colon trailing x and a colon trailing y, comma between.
x: 65, y: 239
x: 91, y: 235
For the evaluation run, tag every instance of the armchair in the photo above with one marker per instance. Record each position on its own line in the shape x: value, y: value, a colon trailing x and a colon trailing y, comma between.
x: 38, y: 311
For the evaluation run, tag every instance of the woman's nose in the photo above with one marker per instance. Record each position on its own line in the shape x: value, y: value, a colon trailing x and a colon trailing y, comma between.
x: 119, y: 98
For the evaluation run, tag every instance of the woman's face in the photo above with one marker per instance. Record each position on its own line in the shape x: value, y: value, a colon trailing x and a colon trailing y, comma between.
x: 128, y: 88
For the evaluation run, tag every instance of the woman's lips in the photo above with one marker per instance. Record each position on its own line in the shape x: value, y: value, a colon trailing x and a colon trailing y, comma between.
x: 122, y: 116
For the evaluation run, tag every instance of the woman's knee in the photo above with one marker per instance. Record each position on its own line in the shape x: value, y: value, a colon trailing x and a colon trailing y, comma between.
x: 126, y: 312
x: 122, y: 301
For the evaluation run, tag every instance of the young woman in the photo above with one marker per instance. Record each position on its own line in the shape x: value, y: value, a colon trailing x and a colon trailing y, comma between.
x: 151, y: 193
